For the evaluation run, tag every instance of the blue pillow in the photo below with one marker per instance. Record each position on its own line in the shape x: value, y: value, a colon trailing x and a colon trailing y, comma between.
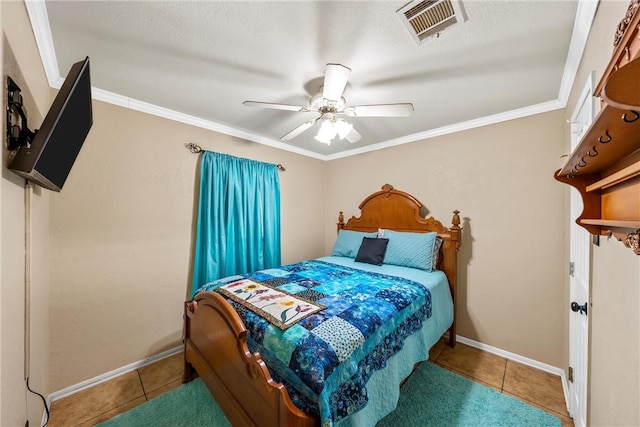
x: 410, y: 249
x: 348, y: 243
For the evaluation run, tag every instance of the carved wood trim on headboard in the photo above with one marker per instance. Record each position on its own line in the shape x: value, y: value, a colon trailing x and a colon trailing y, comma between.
x: 395, y: 210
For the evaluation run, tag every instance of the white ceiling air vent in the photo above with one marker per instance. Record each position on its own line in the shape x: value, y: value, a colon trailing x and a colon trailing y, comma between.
x: 426, y: 18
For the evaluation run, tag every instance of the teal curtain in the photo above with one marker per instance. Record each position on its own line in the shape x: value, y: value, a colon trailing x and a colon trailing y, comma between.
x: 238, y: 218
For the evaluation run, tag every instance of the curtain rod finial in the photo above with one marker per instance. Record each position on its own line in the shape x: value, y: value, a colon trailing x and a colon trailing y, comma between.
x: 194, y: 148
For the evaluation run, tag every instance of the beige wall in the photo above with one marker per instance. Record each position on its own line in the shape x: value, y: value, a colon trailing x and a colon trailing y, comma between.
x: 615, y: 314
x: 615, y: 336
x: 121, y: 236
x: 500, y: 177
x: 121, y: 232
x: 22, y: 62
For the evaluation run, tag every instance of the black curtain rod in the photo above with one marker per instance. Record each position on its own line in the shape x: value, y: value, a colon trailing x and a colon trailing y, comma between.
x: 196, y: 149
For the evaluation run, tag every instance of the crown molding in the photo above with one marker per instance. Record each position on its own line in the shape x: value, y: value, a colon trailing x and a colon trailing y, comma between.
x: 585, y: 15
x: 584, y: 18
x: 37, y: 11
x: 145, y: 107
x: 457, y: 127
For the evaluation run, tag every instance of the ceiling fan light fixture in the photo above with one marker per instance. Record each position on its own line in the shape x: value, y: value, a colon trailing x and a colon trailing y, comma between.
x: 343, y: 128
x: 324, y: 141
x: 329, y: 103
x: 326, y: 132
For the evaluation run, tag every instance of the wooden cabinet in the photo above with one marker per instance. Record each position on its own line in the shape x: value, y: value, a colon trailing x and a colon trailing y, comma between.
x: 605, y: 166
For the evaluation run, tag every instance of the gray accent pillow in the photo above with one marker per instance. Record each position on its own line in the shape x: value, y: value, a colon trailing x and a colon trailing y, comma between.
x: 372, y: 250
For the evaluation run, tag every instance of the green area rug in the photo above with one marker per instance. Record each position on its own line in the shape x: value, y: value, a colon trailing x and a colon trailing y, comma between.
x: 431, y: 397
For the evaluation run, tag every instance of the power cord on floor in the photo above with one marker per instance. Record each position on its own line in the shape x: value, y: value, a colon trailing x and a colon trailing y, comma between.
x: 44, y: 401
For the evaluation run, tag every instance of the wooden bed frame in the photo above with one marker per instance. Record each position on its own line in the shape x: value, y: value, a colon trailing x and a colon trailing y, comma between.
x: 216, y: 339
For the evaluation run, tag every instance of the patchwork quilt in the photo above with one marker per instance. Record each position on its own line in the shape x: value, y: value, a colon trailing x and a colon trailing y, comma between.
x: 326, y: 359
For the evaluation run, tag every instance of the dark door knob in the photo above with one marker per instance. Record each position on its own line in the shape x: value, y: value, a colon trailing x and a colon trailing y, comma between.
x: 575, y: 307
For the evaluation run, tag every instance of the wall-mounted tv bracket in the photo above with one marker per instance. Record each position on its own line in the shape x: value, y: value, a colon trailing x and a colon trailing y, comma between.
x: 18, y: 133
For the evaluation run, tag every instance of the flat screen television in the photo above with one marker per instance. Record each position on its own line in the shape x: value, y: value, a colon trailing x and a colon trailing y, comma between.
x: 47, y: 161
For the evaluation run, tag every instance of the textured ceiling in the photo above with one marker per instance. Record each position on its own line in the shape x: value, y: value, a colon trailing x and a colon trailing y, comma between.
x: 201, y: 60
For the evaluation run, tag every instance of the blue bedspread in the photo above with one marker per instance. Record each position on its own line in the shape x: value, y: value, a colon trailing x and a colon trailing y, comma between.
x: 326, y: 359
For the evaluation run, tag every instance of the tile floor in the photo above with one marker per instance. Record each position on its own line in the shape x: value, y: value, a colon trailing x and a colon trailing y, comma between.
x: 533, y: 386
x: 103, y: 401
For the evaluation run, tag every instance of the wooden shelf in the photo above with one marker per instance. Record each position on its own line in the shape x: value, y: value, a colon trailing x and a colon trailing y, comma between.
x: 616, y: 178
x: 621, y: 230
x: 608, y: 139
x: 605, y: 166
x: 633, y: 225
x: 622, y: 90
x: 626, y: 42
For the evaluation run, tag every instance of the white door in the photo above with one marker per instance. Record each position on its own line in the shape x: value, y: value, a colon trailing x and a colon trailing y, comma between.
x: 580, y: 262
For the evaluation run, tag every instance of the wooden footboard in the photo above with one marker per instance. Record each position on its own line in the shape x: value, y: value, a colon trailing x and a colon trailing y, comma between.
x: 216, y: 347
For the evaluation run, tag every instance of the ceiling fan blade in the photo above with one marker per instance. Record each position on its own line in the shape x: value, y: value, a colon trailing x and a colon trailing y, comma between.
x: 353, y: 136
x: 274, y: 106
x: 297, y: 131
x: 380, y: 110
x: 335, y: 80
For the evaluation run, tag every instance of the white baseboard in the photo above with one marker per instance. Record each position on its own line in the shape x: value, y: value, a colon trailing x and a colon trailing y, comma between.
x: 135, y: 365
x: 565, y: 389
x: 524, y: 360
x: 112, y: 374
x: 511, y: 356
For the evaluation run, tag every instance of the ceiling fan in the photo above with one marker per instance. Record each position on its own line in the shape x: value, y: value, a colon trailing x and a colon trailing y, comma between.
x: 329, y: 103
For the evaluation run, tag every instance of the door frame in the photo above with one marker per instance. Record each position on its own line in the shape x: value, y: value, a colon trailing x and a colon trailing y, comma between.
x: 585, y: 99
